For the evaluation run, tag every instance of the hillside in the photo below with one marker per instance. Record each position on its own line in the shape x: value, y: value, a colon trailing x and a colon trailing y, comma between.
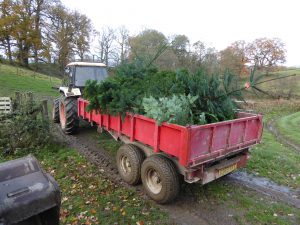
x: 18, y: 79
x: 285, y: 87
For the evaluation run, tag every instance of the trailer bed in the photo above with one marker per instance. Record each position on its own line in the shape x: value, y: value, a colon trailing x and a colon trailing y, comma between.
x: 191, y: 145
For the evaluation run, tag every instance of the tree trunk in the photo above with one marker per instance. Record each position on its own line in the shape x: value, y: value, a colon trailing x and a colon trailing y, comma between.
x: 9, y: 50
x: 122, y: 53
x: 37, y: 42
x: 25, y: 61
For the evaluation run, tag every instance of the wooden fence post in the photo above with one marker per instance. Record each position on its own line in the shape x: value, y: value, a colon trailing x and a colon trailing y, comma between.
x: 29, y: 100
x: 17, y: 100
x: 45, y: 109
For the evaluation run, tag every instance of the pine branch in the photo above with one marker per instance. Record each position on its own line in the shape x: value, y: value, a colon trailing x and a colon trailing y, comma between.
x: 254, y: 86
x: 158, y: 53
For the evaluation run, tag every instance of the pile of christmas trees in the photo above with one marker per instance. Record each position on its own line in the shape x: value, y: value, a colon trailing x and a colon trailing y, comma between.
x: 166, y: 96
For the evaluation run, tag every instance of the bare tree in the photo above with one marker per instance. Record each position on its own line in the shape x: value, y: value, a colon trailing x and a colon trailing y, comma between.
x: 199, y: 53
x: 123, y: 43
x: 106, y: 47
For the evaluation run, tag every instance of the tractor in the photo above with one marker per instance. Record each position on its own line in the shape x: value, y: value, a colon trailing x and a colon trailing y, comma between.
x: 64, y: 110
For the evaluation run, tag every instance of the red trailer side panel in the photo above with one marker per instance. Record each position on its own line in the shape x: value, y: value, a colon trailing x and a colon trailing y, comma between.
x: 214, y: 140
x: 144, y: 130
x: 192, y: 145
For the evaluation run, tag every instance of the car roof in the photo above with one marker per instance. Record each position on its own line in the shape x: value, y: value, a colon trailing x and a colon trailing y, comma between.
x: 86, y: 64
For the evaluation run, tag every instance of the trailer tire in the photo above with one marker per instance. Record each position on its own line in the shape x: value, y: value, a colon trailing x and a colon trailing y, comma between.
x: 160, y: 179
x: 129, y: 163
x: 68, y: 116
x: 55, y: 110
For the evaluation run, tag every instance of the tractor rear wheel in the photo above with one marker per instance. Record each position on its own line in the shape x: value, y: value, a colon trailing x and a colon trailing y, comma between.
x: 55, y: 110
x: 160, y: 179
x: 68, y: 116
x: 129, y: 163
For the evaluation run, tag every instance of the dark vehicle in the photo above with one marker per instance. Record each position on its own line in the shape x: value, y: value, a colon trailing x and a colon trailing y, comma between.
x: 28, y: 195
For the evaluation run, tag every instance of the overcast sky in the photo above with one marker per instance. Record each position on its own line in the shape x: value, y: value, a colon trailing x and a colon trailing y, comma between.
x: 218, y: 23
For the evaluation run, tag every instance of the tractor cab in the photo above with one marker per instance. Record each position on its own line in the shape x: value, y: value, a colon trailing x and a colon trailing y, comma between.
x: 77, y: 73
x: 80, y: 72
x: 65, y: 107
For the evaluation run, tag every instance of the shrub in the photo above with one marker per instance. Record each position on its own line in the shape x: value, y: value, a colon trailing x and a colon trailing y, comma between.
x: 24, y: 128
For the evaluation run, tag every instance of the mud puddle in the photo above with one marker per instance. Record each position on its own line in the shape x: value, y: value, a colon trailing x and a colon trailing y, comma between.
x: 267, y: 187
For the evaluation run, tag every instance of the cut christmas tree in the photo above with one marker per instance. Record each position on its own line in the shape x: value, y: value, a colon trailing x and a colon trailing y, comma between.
x: 166, y: 96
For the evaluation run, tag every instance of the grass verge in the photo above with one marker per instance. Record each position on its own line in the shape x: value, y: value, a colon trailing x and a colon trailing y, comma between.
x: 247, y: 207
x: 277, y: 162
x: 271, y: 159
x: 289, y: 127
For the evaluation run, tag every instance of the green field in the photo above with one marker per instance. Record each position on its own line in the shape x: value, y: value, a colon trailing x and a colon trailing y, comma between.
x: 89, y: 198
x: 18, y: 79
x: 289, y: 127
x: 283, y: 87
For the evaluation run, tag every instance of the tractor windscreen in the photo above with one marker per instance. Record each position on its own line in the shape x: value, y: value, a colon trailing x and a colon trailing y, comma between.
x: 84, y: 73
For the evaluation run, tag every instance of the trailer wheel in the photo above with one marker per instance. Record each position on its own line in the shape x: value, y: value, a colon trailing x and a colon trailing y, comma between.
x: 160, y: 179
x: 129, y: 162
x: 68, y: 116
x: 55, y: 110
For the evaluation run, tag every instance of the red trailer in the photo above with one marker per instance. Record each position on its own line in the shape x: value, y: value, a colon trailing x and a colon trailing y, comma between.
x: 158, y: 154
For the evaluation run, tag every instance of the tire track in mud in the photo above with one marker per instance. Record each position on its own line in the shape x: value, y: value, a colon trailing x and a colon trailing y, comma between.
x: 267, y: 187
x: 186, y: 209
x: 273, y: 129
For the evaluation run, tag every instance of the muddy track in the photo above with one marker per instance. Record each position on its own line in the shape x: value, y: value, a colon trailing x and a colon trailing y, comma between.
x: 267, y: 187
x: 273, y: 129
x: 186, y: 209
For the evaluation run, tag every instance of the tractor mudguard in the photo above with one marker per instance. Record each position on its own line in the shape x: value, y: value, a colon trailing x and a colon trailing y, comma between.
x: 73, y: 92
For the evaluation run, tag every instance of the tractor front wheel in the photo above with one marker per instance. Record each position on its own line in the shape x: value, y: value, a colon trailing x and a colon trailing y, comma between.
x: 68, y: 116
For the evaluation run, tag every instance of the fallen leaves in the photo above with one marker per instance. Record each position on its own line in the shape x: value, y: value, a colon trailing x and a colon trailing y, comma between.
x: 88, y: 198
x: 64, y: 199
x: 123, y: 212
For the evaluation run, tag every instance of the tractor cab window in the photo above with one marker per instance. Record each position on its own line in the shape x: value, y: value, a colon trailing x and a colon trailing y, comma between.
x: 67, y: 70
x: 84, y: 73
